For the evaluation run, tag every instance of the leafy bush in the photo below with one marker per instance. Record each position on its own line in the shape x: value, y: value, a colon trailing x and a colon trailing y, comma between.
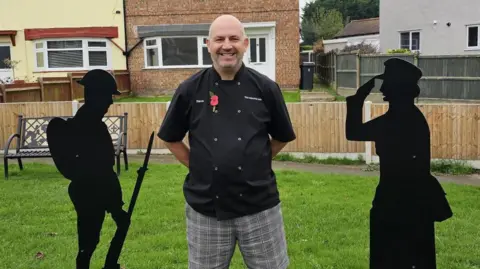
x: 306, y: 47
x: 396, y: 51
x: 362, y: 48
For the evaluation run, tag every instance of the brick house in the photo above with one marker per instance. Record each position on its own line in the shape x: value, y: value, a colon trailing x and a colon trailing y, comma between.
x: 167, y: 39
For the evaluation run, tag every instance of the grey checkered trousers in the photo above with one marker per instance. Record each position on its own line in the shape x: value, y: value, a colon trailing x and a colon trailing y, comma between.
x: 261, y: 240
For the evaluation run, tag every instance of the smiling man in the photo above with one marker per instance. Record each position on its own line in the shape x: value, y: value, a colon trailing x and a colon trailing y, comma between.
x: 229, y: 111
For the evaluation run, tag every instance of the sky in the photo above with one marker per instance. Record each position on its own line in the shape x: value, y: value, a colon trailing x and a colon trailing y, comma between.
x: 302, y: 3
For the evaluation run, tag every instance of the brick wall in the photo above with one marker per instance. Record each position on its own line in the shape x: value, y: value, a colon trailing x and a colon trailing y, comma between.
x: 152, y: 12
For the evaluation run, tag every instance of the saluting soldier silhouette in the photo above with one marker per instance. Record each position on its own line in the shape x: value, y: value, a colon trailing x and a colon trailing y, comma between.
x: 83, y: 151
x: 408, y: 199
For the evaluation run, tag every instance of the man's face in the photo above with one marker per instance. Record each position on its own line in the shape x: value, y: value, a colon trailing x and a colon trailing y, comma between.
x: 227, y: 45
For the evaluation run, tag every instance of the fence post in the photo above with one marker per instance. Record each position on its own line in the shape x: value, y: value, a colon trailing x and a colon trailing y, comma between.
x: 368, y: 144
x: 74, y: 107
x: 335, y: 55
x: 358, y: 70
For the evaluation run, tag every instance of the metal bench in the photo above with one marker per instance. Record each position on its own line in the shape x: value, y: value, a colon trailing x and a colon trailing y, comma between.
x: 32, y: 139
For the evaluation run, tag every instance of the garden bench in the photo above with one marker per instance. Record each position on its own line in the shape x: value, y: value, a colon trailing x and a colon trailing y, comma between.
x: 31, y: 138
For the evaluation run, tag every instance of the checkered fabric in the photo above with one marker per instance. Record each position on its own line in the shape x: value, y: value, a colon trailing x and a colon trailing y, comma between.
x: 260, y: 237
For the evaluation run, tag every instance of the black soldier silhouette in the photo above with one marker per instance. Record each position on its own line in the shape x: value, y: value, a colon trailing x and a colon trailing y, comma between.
x: 83, y: 152
x: 408, y: 199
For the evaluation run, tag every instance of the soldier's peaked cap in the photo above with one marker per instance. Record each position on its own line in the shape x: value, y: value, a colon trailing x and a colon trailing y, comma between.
x: 401, y: 71
x: 100, y: 79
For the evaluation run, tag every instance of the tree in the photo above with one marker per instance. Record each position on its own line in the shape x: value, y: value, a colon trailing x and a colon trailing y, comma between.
x: 350, y: 9
x: 321, y: 23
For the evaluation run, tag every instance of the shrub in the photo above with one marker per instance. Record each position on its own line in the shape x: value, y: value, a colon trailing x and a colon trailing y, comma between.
x: 362, y: 48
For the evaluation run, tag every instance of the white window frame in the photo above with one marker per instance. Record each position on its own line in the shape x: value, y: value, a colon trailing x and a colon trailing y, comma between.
x: 10, y: 48
x: 85, y: 49
x: 410, y: 33
x: 478, y: 37
x: 200, y: 46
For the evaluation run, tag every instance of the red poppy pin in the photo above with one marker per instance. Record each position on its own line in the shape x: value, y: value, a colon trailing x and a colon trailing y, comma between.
x: 213, y: 101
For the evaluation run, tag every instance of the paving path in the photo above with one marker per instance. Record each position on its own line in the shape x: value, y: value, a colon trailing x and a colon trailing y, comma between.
x: 314, y: 168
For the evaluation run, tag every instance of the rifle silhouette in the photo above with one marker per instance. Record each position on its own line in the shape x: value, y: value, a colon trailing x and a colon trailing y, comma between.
x: 115, y: 249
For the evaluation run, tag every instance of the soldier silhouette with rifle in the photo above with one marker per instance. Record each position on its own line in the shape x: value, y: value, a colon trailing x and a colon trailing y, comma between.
x: 94, y: 188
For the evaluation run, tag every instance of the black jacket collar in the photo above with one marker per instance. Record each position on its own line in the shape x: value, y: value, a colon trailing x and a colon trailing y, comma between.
x: 217, y: 78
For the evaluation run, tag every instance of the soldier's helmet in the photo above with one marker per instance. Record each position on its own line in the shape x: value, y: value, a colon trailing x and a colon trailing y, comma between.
x: 99, y: 82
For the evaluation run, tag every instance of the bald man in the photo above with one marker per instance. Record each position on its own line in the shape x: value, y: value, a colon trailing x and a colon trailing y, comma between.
x: 229, y: 111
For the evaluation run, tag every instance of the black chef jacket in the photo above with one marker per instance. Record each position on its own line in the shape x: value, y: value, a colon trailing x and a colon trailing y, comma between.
x: 230, y: 173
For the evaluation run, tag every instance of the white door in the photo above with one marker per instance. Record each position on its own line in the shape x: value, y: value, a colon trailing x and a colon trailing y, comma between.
x: 6, y: 73
x: 257, y: 55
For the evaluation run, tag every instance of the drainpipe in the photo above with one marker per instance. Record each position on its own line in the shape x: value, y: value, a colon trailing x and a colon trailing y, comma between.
x: 126, y: 53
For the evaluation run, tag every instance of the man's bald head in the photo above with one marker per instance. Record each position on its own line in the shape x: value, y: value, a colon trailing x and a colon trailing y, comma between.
x: 227, y: 43
x: 227, y: 21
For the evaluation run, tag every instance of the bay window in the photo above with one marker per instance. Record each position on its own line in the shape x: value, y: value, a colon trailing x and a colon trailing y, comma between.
x: 171, y: 52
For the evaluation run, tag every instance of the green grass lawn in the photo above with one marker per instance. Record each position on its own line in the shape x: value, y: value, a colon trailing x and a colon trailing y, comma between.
x: 326, y: 218
x: 289, y: 96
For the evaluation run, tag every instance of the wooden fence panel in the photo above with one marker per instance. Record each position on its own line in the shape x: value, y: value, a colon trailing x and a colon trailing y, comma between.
x: 325, y: 67
x: 320, y: 128
x: 452, y: 77
x: 143, y: 118
x: 454, y: 129
x: 28, y: 92
x: 57, y: 90
x: 49, y: 89
x: 444, y: 76
x: 346, y: 68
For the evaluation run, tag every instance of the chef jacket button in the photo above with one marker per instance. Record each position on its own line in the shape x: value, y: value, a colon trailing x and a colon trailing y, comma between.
x: 238, y: 83
x: 241, y: 194
x: 216, y: 196
x: 239, y: 139
x: 215, y: 139
x: 216, y: 83
x: 238, y: 111
x: 239, y: 168
x: 216, y: 168
x: 414, y: 156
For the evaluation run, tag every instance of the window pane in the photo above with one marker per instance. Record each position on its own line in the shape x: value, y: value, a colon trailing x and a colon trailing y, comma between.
x: 40, y: 59
x: 207, y: 59
x: 39, y: 45
x: 416, y: 41
x: 65, y: 59
x: 405, y: 40
x: 180, y: 51
x: 262, y: 49
x: 67, y: 44
x: 152, y: 57
x: 253, y: 50
x: 97, y: 58
x: 152, y: 42
x: 473, y: 36
x: 4, y: 54
x: 97, y: 44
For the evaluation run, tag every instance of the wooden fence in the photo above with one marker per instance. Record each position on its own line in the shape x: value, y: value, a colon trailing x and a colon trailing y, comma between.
x: 55, y: 88
x: 444, y: 77
x: 325, y: 67
x: 320, y: 127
